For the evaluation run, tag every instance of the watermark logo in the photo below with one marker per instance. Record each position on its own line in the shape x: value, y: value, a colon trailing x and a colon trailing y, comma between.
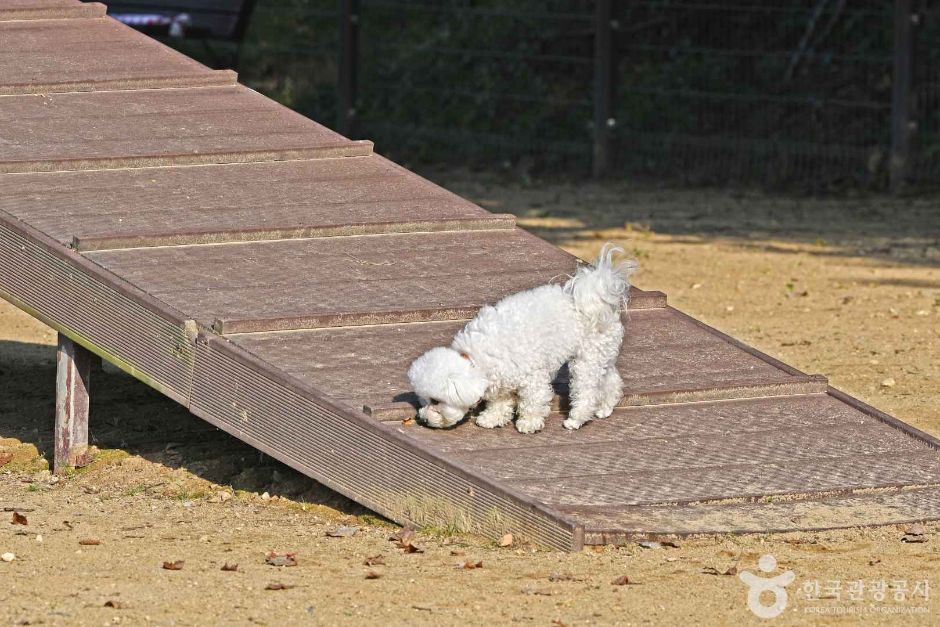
x: 757, y: 584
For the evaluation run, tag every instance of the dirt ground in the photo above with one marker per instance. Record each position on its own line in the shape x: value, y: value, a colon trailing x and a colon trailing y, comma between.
x: 848, y: 287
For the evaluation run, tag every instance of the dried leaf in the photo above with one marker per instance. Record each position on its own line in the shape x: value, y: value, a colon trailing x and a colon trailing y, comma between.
x: 506, y: 540
x: 118, y: 605
x: 89, y: 542
x: 18, y: 519
x: 410, y: 547
x: 468, y: 565
x: 281, y: 559
x: 672, y: 544
x: 177, y: 565
x: 344, y: 531
x: 275, y: 585
x: 375, y: 560
x: 407, y: 422
x: 230, y: 567
x: 558, y: 622
x: 403, y: 538
x: 371, y: 574
x: 403, y: 535
x: 730, y: 570
x: 622, y: 580
x: 457, y: 553
x: 5, y: 458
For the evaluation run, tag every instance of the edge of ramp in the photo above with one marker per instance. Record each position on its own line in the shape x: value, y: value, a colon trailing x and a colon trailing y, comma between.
x: 91, y: 306
x: 354, y: 455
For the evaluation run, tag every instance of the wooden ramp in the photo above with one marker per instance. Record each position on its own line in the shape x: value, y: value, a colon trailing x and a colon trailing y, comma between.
x: 277, y: 278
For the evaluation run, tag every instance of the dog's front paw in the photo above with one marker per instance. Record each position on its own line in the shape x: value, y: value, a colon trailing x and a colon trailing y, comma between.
x: 530, y: 424
x: 572, y: 424
x: 491, y: 420
x: 603, y: 412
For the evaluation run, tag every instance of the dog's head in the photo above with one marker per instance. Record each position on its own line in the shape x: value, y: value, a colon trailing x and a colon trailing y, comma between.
x: 447, y: 385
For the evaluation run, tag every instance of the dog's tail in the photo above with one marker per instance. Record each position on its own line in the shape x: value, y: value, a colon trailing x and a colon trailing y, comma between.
x: 599, y: 290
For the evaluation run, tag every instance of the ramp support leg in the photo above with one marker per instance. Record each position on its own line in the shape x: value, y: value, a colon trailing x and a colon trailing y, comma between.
x: 73, y: 370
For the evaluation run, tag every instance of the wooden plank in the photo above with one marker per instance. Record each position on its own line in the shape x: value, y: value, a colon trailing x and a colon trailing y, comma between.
x: 743, y: 480
x: 73, y: 373
x: 310, y: 283
x: 713, y: 419
x: 157, y: 127
x: 838, y: 512
x: 680, y: 452
x: 49, y: 10
x: 665, y: 358
x: 238, y: 202
x: 50, y: 56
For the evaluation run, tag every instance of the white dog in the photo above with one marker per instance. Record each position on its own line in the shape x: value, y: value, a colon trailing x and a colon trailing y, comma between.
x: 510, y: 353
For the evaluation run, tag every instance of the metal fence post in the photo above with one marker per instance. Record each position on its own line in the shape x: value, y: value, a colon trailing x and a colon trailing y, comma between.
x: 348, y: 67
x: 902, y: 122
x: 603, y: 73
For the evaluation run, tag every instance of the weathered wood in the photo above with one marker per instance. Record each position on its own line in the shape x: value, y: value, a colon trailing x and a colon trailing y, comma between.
x: 73, y: 375
x: 53, y: 56
x: 158, y: 127
x: 11, y: 10
x: 339, y: 281
x: 666, y: 358
x: 237, y: 202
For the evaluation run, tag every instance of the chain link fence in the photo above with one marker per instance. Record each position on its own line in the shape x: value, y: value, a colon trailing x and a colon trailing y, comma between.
x: 812, y: 93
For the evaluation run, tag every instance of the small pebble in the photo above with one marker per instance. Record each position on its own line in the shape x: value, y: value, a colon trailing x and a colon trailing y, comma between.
x: 7, y: 557
x: 888, y: 383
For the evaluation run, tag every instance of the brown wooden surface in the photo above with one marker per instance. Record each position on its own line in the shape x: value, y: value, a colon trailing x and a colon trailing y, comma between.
x: 837, y: 512
x: 663, y: 352
x: 247, y: 201
x: 48, y: 56
x: 742, y: 480
x: 49, y: 9
x: 348, y: 280
x: 656, y: 423
x: 79, y: 131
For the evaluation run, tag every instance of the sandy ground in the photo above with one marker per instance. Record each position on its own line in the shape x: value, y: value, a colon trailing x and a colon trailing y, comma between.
x: 847, y: 287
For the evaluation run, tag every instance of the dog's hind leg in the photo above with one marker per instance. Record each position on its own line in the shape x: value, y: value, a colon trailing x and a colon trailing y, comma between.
x: 583, y: 390
x: 498, y: 412
x: 610, y: 392
x: 535, y: 404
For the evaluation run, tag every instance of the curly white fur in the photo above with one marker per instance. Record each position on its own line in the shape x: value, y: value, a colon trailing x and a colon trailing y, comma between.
x: 510, y: 353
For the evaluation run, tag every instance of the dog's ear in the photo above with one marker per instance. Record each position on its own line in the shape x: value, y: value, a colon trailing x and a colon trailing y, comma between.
x: 468, y: 387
